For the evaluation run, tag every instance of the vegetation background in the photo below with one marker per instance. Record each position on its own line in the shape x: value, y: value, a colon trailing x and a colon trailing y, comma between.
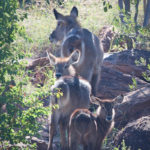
x: 25, y: 26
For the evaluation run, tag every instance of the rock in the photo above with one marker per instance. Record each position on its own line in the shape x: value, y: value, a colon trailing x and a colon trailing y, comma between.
x: 135, y: 134
x: 124, y: 61
x: 32, y: 64
x: 114, y: 83
x: 41, y: 144
x: 118, y: 70
x: 38, y: 69
x: 135, y: 105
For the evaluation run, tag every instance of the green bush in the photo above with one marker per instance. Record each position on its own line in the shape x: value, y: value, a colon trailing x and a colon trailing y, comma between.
x: 20, y: 106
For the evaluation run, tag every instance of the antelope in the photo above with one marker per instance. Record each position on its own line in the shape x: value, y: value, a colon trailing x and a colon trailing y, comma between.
x: 76, y: 94
x: 89, y: 129
x: 72, y: 36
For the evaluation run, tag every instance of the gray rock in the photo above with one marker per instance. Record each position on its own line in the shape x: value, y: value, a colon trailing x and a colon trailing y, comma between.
x: 114, y: 83
x: 135, y: 105
x: 135, y: 134
x: 124, y: 61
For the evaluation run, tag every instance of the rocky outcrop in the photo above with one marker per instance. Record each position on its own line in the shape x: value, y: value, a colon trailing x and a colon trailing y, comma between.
x: 117, y: 72
x: 135, y: 105
x: 133, y: 114
x: 114, y: 83
x: 136, y: 134
x: 124, y: 61
x: 41, y: 144
x: 133, y: 117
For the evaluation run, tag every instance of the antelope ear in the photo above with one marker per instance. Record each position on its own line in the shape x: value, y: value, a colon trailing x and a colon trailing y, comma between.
x: 74, y: 57
x: 57, y: 15
x: 74, y: 12
x: 119, y: 99
x: 51, y: 58
x: 96, y: 100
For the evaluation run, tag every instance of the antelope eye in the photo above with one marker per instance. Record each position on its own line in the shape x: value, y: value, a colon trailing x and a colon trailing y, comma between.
x: 66, y: 66
x: 60, y: 24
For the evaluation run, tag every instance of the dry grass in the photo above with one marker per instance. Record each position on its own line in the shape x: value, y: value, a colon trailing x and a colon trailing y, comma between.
x: 41, y: 22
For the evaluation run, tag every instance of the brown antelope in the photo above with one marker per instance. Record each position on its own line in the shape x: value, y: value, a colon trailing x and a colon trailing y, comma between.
x: 76, y: 94
x: 72, y: 36
x: 89, y: 129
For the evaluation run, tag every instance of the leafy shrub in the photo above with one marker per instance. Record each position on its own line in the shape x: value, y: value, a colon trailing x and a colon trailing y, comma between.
x: 20, y: 106
x: 145, y: 74
x: 123, y: 146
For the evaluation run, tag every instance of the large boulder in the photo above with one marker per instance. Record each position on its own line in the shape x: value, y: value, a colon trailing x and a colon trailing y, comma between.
x: 114, y: 83
x: 118, y: 70
x: 124, y: 61
x: 41, y: 144
x: 135, y: 105
x: 136, y: 134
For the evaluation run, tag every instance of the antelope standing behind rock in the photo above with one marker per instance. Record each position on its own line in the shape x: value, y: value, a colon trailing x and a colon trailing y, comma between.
x: 89, y: 129
x: 76, y: 94
x: 72, y: 36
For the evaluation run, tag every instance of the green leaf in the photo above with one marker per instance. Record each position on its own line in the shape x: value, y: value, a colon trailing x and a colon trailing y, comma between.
x: 148, y: 66
x: 104, y: 3
x: 105, y: 9
x: 110, y: 6
x: 6, y: 15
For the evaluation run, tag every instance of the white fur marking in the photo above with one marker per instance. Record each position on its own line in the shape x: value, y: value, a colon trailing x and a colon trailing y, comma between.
x: 72, y: 35
x: 98, y: 110
x: 95, y: 125
x: 66, y: 38
x: 82, y: 54
x: 113, y: 114
x: 86, y: 83
x: 60, y: 20
x: 71, y: 70
x: 57, y: 83
x: 93, y: 39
